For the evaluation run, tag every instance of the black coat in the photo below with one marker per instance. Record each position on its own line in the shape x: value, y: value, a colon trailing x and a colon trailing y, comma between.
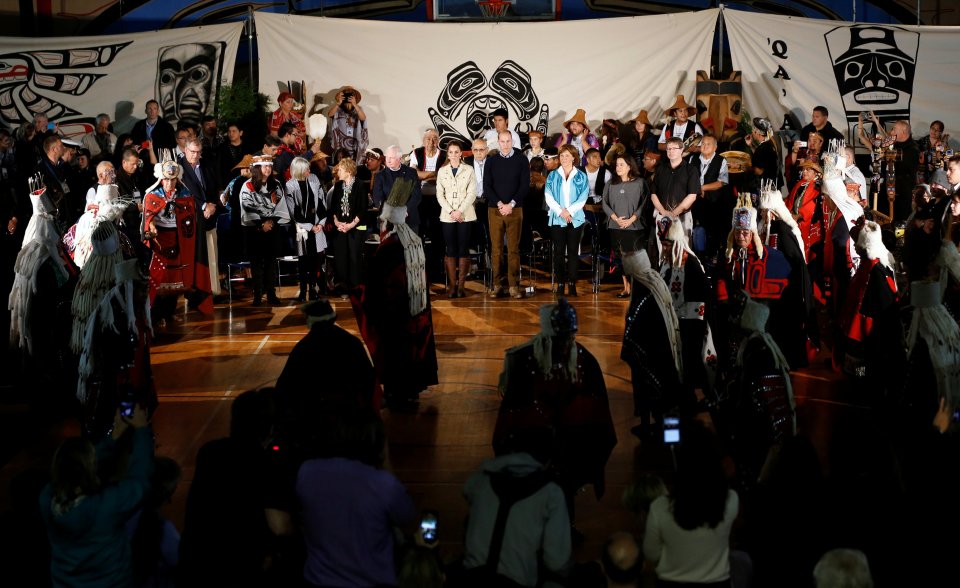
x: 203, y: 192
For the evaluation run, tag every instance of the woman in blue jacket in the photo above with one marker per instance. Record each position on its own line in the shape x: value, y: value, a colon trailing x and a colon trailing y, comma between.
x: 566, y: 192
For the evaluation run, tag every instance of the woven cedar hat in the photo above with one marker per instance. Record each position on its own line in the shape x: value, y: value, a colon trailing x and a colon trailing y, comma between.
x: 579, y: 116
x: 356, y: 92
x: 644, y: 118
x: 680, y: 102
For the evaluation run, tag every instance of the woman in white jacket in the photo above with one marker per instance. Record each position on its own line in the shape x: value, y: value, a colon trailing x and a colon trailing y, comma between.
x: 456, y: 194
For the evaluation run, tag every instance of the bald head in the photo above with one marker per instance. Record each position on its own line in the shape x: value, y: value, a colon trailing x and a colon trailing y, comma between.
x: 622, y: 562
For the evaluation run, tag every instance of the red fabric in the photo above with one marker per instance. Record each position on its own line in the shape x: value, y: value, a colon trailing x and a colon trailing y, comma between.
x: 853, y: 323
x: 812, y: 232
x: 278, y: 118
x: 764, y: 278
x: 176, y: 266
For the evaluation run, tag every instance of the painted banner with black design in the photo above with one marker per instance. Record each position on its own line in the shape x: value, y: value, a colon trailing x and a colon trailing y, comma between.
x: 73, y: 79
x: 413, y: 76
x: 794, y: 64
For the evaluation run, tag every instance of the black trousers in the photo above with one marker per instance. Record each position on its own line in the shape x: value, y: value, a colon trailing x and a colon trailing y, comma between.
x: 566, y: 248
x: 263, y: 249
x: 308, y: 266
x: 348, y: 256
x: 456, y: 237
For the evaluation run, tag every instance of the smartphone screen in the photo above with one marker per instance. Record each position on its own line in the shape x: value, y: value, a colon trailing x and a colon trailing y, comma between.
x: 428, y: 526
x: 671, y: 430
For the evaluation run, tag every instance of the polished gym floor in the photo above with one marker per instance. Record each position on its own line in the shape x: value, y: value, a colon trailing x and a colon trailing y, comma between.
x: 201, y: 363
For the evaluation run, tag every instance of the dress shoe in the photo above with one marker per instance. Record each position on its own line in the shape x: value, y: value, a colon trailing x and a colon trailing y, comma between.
x: 495, y: 292
x: 272, y: 299
x: 623, y: 294
x: 515, y: 292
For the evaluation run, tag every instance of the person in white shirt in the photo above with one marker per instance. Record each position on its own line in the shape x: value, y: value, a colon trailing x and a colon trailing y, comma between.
x: 477, y: 161
x: 536, y: 145
x: 101, y: 142
x: 595, y: 171
x: 501, y: 122
x: 688, y: 532
x: 427, y: 160
x: 681, y: 127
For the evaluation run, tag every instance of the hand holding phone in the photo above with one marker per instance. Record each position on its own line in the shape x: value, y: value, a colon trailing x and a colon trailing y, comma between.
x: 428, y: 526
x: 671, y: 430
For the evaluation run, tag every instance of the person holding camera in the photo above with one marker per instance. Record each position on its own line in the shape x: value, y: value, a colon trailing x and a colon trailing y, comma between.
x: 349, y: 126
x: 84, y: 512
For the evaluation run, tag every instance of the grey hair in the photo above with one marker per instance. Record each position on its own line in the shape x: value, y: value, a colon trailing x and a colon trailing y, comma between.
x: 428, y: 131
x: 481, y: 142
x: 299, y: 169
x: 103, y: 166
x: 195, y: 142
x: 394, y: 148
x: 103, y: 116
x: 843, y: 568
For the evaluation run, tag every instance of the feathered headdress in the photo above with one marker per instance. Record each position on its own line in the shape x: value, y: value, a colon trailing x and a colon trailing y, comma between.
x: 870, y: 241
x: 395, y: 211
x: 771, y: 203
x: 96, y: 279
x: 744, y: 218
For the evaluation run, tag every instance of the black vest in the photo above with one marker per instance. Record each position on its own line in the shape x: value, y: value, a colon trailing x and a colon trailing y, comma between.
x: 691, y: 129
x: 421, y: 154
x: 601, y: 178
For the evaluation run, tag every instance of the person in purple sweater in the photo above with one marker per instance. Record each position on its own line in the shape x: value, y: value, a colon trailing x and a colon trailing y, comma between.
x: 350, y: 508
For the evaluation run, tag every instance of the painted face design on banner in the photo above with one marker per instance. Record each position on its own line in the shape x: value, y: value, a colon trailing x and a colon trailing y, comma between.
x: 466, y: 104
x: 187, y: 80
x: 35, y: 81
x: 874, y: 67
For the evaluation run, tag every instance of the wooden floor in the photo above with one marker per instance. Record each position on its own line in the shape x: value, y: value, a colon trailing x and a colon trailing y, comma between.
x: 200, y: 364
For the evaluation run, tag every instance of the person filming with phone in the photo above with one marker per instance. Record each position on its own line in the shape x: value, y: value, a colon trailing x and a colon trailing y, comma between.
x: 84, y: 511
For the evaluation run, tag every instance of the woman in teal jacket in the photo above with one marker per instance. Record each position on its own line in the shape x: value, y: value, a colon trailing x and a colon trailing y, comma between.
x: 566, y: 192
x: 85, y: 516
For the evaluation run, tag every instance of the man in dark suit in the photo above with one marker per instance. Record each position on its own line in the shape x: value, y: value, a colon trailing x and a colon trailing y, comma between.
x: 155, y: 129
x: 384, y: 182
x: 200, y: 178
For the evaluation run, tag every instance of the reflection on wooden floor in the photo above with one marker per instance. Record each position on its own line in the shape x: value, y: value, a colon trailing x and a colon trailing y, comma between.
x: 200, y: 364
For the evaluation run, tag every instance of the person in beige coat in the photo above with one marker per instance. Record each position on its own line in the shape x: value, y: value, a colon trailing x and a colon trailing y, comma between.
x: 456, y: 194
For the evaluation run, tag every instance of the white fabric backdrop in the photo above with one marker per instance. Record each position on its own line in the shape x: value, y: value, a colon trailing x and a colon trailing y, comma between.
x: 896, y: 71
x: 612, y: 68
x: 75, y: 78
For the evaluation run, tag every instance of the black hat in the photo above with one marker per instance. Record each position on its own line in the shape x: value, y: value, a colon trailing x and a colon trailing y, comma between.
x: 762, y: 124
